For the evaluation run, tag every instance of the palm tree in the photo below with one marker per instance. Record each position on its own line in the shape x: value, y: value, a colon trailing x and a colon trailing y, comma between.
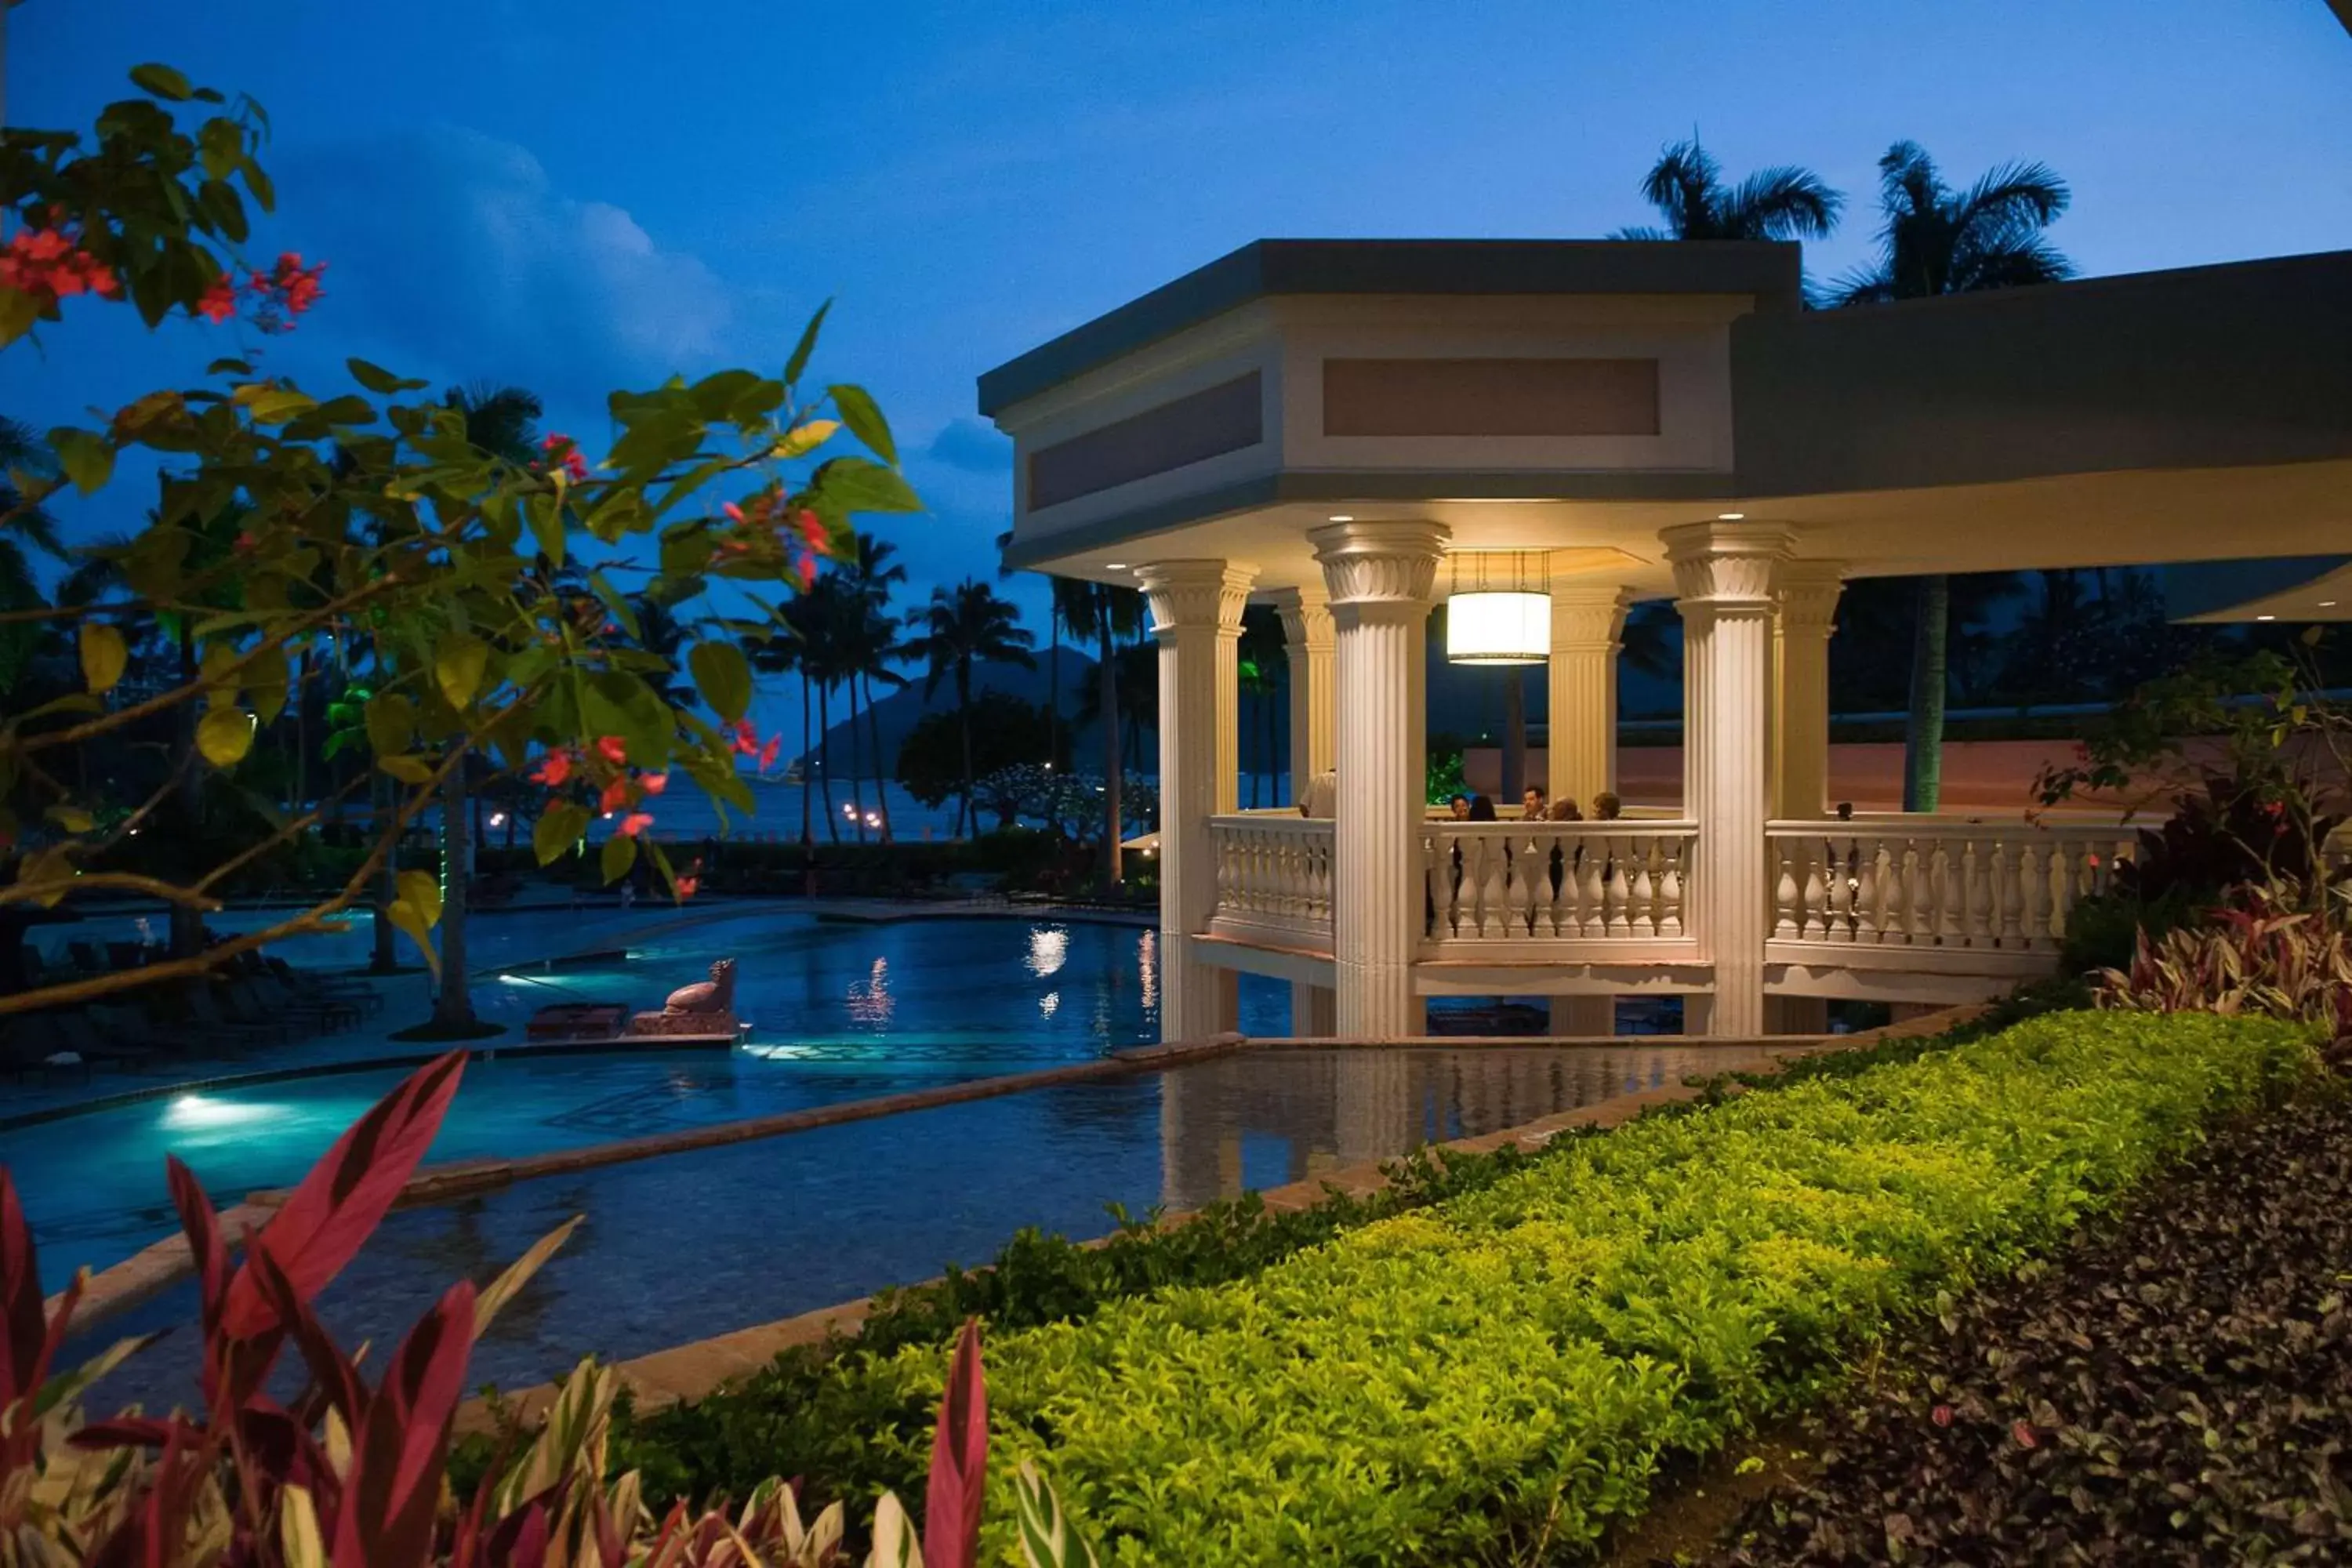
x: 22, y: 524
x: 962, y: 626
x: 1782, y: 202
x: 503, y: 422
x: 782, y: 653
x: 1109, y: 614
x: 1936, y: 240
x: 869, y: 647
x: 1258, y: 673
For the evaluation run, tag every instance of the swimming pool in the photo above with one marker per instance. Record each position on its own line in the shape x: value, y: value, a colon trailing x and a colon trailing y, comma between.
x: 840, y: 1010
x: 686, y: 1245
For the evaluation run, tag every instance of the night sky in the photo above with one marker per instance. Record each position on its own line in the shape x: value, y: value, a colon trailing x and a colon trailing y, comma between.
x: 579, y: 196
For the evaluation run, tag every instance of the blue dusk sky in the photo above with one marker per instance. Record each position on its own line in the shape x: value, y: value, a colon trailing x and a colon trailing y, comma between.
x: 580, y: 196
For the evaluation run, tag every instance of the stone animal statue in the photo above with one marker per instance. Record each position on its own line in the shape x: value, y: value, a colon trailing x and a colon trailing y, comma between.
x: 716, y: 995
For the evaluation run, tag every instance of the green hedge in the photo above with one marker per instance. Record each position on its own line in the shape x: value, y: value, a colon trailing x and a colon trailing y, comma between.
x: 1515, y: 1363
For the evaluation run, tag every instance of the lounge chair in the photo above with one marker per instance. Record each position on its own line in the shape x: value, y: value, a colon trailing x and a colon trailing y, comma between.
x: 87, y: 957
x: 202, y: 1017
x: 30, y: 1045
x: 304, y: 982
x: 271, y: 997
x: 85, y: 1037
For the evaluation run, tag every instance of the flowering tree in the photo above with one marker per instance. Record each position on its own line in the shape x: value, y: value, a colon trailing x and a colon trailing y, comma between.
x: 478, y: 599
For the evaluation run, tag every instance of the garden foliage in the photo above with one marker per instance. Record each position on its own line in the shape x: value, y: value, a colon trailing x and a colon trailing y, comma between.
x: 1508, y: 1369
x: 2261, y: 954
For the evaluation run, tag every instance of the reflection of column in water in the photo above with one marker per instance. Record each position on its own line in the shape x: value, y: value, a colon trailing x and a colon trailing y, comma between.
x: 1372, y: 1093
x: 1192, y: 1134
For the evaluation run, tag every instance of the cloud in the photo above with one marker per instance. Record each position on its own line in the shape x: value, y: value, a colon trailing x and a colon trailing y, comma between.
x: 458, y: 248
x: 974, y: 447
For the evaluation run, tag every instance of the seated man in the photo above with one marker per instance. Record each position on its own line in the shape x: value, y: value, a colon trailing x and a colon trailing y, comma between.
x: 1533, y: 803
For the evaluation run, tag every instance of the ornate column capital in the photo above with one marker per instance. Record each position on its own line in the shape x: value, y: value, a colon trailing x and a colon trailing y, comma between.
x: 1193, y: 595
x: 1809, y: 594
x: 1588, y: 614
x: 1368, y: 565
x: 1727, y: 566
x: 1306, y: 612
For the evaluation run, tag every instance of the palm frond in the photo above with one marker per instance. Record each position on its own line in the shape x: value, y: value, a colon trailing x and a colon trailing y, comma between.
x: 32, y: 524
x: 1641, y: 231
x: 1783, y: 202
x: 2012, y: 265
x: 22, y: 447
x: 2013, y: 193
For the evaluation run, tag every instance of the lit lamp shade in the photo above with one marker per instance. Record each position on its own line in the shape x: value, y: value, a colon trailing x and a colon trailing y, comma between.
x: 1499, y: 629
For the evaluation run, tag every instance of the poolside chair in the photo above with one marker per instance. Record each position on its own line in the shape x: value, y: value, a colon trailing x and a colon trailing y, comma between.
x: 305, y: 983
x: 30, y: 1043
x: 271, y: 997
x: 86, y: 957
x: 127, y: 1026
x: 125, y: 955
x: 83, y: 1037
x: 200, y: 1016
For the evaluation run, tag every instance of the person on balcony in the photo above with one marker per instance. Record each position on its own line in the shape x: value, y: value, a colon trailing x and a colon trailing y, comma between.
x: 1482, y: 809
x: 1460, y: 807
x: 1533, y: 806
x: 1322, y: 796
x: 1606, y: 806
x: 1564, y: 809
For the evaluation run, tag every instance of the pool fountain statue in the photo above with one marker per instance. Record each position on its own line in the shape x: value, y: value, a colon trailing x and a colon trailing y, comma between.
x: 705, y: 1007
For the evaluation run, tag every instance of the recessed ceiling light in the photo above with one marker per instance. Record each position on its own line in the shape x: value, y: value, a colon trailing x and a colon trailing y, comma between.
x: 1114, y: 565
x: 1730, y: 517
x: 1341, y: 517
x: 2266, y: 617
x: 2327, y: 604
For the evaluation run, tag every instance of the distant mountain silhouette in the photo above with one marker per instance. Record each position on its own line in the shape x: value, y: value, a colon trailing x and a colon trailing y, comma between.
x: 902, y: 710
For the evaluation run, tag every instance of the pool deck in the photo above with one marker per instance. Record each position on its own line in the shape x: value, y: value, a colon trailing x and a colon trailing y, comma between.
x: 691, y: 1371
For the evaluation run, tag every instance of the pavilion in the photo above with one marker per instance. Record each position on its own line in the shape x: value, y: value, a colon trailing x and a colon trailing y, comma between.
x: 1355, y: 430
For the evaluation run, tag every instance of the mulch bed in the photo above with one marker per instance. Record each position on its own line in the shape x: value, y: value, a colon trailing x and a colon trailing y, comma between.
x: 2176, y: 1388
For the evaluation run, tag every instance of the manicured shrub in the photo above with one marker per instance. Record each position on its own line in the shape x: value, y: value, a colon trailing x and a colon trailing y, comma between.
x: 1510, y: 1367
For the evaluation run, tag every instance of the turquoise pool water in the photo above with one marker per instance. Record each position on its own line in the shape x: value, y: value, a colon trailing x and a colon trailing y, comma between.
x: 840, y: 1011
x: 686, y: 1245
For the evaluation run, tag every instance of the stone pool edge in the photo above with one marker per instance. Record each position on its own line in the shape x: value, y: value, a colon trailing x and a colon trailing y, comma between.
x: 698, y: 1368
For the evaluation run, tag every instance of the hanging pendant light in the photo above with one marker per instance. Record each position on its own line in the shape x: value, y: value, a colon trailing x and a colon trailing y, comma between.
x: 1495, y: 614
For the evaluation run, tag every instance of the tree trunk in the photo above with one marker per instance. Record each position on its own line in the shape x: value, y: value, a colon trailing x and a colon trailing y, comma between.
x: 881, y: 773
x: 808, y: 838
x: 188, y: 925
x: 1514, y: 735
x: 1114, y: 814
x: 825, y: 757
x: 453, y: 1000
x: 295, y: 699
x: 967, y: 821
x: 1054, y: 691
x: 387, y: 957
x: 856, y: 760
x: 1923, y: 732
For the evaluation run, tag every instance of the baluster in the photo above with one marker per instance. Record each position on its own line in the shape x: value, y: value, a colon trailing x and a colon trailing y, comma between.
x: 1561, y: 898
x: 1814, y: 916
x: 1788, y: 915
x: 1866, y: 891
x: 1920, y: 927
x: 1617, y: 891
x: 2071, y: 859
x: 1943, y: 891
x: 1530, y: 871
x: 1591, y: 854
x: 1437, y: 874
x: 1675, y: 852
x: 1642, y: 914
x: 2033, y: 879
x: 1969, y: 870
x: 2008, y: 893
x: 1842, y: 874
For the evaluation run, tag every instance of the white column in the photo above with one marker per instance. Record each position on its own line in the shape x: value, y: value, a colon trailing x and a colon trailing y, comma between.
x: 1307, y: 643
x: 1588, y: 629
x: 1196, y: 614
x: 1726, y: 577
x: 1801, y: 644
x: 1378, y: 575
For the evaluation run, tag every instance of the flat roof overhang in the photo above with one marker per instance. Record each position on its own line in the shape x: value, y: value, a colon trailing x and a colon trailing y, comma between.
x: 2172, y: 415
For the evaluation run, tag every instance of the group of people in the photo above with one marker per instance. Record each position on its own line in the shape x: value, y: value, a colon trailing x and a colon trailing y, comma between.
x: 1537, y: 806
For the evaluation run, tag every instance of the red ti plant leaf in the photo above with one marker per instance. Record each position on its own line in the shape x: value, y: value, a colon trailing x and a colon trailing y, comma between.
x: 201, y: 1225
x: 398, y: 1453
x: 346, y: 1194
x: 22, y: 1325
x: 957, y: 1492
x: 335, y: 1374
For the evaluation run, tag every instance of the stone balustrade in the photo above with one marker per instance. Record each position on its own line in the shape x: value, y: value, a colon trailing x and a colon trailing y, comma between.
x: 2003, y: 885
x: 1521, y: 881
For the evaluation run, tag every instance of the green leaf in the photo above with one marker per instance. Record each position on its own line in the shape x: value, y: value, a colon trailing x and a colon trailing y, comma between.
x: 408, y: 769
x: 104, y: 655
x: 546, y: 516
x: 863, y: 417
x: 557, y: 830
x: 72, y: 818
x: 224, y: 735
x: 458, y: 664
x: 723, y: 675
x: 421, y: 891
x: 18, y: 312
x: 857, y: 484
x: 417, y: 910
x: 83, y: 456
x: 162, y: 82
x: 378, y: 380
x: 805, y: 347
x: 618, y: 855
x: 279, y: 405
x: 391, y: 723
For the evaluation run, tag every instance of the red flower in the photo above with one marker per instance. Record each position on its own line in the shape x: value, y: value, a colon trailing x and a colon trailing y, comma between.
x: 615, y: 796
x: 654, y: 783
x: 768, y: 753
x: 805, y: 572
x: 813, y: 530
x: 687, y: 885
x: 576, y: 466
x: 554, y: 769
x: 1941, y: 1415
x: 734, y: 513
x: 219, y: 302
x: 746, y: 740
x: 613, y: 749
x: 636, y: 822
x: 2024, y: 1434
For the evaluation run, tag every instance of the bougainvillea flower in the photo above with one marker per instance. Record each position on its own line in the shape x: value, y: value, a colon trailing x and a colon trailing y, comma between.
x: 636, y: 822
x: 654, y: 783
x: 768, y: 753
x: 615, y: 796
x: 219, y: 302
x: 613, y: 749
x: 554, y: 769
x: 686, y: 886
x: 734, y: 513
